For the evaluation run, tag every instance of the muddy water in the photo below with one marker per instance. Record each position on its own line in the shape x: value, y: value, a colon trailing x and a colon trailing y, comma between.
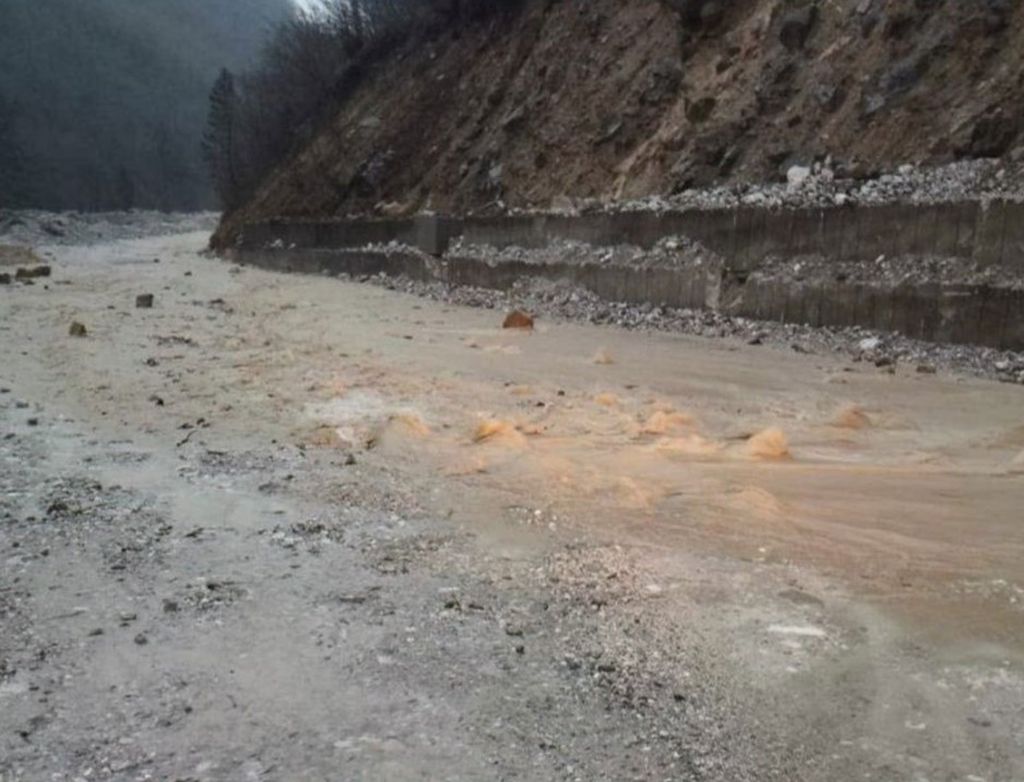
x: 908, y: 487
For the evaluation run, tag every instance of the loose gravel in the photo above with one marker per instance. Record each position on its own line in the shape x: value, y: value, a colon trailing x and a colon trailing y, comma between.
x: 824, y: 185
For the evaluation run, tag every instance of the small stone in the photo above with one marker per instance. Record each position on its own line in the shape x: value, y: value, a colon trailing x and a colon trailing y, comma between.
x: 97, y: 631
x: 144, y: 301
x: 170, y: 606
x: 141, y: 639
x: 5, y: 279
x: 926, y: 369
x: 77, y: 330
x: 518, y: 320
x: 33, y: 422
x: 31, y: 273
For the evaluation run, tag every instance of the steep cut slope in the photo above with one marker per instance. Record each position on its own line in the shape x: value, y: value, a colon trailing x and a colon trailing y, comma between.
x: 625, y: 98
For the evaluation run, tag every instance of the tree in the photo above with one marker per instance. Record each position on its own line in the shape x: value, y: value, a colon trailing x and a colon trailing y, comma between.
x: 14, y: 176
x: 220, y: 141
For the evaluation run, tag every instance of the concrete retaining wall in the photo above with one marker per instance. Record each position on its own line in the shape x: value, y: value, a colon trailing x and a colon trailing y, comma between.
x: 964, y: 314
x: 991, y: 234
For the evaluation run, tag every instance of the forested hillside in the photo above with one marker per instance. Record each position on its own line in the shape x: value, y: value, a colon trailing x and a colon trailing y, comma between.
x: 103, y: 102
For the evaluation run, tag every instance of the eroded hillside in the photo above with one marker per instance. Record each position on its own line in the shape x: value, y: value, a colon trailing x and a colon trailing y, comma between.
x: 619, y: 99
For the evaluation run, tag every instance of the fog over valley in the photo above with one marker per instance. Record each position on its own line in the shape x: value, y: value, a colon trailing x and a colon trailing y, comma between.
x: 102, y: 103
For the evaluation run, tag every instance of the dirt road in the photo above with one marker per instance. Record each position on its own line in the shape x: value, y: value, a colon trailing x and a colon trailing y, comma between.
x: 291, y: 528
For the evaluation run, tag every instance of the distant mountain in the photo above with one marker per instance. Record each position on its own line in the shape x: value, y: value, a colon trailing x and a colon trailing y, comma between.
x: 103, y: 102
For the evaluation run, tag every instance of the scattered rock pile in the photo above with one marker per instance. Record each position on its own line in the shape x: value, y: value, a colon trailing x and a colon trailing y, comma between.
x: 27, y: 266
x: 885, y: 270
x: 825, y: 184
x: 669, y: 252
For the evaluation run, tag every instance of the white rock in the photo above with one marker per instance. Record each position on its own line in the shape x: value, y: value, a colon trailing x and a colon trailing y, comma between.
x: 797, y: 175
x: 805, y: 631
x: 869, y: 344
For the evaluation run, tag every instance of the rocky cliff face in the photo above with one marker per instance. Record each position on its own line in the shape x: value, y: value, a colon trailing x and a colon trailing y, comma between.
x: 613, y: 99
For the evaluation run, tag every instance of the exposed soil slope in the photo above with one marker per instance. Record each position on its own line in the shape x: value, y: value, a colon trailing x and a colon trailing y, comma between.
x: 621, y: 99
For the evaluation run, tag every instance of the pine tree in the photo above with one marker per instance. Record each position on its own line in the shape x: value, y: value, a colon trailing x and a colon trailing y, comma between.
x: 220, y: 141
x: 14, y: 184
